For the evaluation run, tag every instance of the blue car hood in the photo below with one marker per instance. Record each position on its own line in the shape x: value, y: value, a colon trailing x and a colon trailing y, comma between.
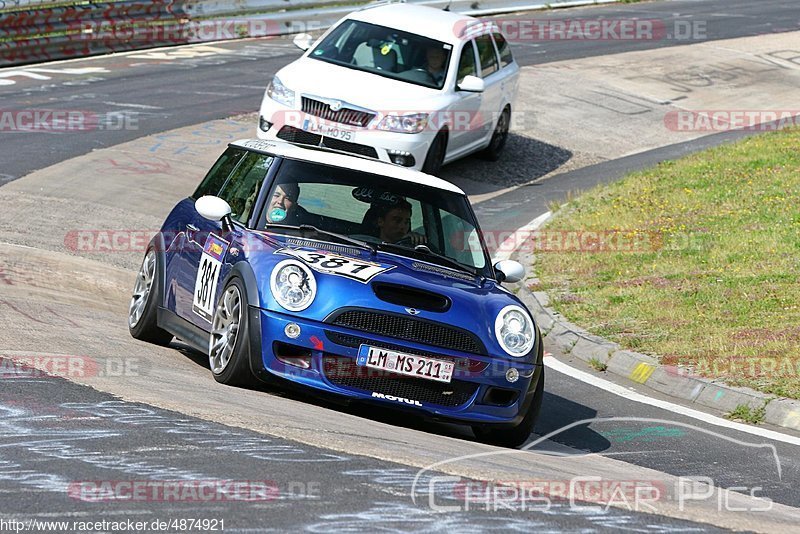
x: 475, y: 301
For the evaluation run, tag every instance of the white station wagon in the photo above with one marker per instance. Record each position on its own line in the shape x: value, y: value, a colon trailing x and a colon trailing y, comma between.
x: 407, y: 84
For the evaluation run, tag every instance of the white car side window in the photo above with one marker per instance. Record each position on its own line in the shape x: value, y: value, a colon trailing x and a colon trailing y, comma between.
x: 466, y: 63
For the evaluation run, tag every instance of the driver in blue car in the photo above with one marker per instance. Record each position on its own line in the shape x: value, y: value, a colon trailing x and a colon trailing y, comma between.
x: 392, y: 223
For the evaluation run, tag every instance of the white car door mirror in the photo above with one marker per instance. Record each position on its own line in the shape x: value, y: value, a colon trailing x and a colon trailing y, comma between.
x: 212, y: 208
x: 303, y: 41
x: 472, y: 84
x: 509, y: 271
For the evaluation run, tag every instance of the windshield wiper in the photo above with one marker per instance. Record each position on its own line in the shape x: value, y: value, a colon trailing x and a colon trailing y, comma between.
x: 424, y: 249
x: 306, y: 228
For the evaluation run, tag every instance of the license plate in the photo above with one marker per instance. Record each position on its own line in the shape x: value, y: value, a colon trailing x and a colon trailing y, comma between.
x: 405, y: 364
x: 327, y: 130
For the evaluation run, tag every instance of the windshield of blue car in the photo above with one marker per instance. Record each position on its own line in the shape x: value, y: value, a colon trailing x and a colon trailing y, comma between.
x: 386, y: 52
x: 375, y: 209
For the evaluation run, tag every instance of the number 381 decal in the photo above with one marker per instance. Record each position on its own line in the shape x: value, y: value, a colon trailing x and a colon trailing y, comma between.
x: 330, y: 263
x: 205, y: 286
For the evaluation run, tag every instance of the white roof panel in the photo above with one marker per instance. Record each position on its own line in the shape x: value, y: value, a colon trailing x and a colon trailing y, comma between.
x: 335, y: 159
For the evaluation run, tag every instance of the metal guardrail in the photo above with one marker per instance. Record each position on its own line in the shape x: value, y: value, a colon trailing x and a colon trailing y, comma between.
x: 34, y: 31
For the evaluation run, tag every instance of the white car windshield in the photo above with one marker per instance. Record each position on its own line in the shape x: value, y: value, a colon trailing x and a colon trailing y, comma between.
x: 386, y: 52
x: 377, y: 210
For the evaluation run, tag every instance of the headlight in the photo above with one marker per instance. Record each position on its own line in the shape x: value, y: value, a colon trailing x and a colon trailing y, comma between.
x: 293, y: 285
x: 514, y: 331
x: 413, y: 123
x: 280, y: 93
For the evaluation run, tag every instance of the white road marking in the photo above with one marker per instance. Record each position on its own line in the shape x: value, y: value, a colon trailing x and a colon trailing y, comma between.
x: 212, y: 93
x: 172, y: 54
x: 35, y: 73
x: 127, y: 105
x: 634, y: 396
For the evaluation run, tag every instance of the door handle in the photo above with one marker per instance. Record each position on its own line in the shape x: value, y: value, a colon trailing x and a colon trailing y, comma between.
x: 191, y: 230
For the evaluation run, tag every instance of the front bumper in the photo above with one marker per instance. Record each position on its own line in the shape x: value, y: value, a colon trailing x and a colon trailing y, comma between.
x: 478, y: 394
x: 408, y: 150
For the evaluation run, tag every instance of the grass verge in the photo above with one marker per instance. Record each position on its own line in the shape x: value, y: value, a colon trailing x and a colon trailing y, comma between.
x: 694, y: 261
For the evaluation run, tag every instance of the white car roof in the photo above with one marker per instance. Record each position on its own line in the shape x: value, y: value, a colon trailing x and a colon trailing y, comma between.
x: 438, y: 24
x: 336, y: 159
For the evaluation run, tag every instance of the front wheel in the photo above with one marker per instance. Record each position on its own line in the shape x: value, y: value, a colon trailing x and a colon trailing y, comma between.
x: 435, y: 158
x: 515, y: 436
x: 229, y: 345
x: 143, y: 312
x: 499, y: 137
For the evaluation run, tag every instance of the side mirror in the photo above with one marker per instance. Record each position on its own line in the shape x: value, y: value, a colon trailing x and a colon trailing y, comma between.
x: 471, y: 84
x: 303, y: 41
x: 215, y: 209
x: 509, y: 271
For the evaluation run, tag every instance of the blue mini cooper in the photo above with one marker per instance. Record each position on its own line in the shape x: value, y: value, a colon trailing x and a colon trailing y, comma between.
x: 346, y: 276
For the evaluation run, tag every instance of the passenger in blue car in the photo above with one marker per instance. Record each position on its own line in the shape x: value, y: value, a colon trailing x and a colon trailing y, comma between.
x: 284, y: 209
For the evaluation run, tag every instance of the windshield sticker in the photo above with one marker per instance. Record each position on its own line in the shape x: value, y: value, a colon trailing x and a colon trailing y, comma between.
x: 368, y: 194
x: 258, y: 144
x: 329, y: 263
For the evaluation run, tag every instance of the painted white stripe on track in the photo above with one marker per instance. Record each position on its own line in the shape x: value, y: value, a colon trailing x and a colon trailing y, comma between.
x: 616, y: 389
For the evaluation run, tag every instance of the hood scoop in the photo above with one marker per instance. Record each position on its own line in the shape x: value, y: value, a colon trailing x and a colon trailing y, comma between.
x: 319, y: 245
x: 411, y: 297
x: 443, y: 271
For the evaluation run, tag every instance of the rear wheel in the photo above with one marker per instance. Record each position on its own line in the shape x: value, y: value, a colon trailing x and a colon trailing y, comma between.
x: 515, y: 436
x: 229, y: 345
x: 499, y: 137
x: 143, y: 309
x: 435, y: 158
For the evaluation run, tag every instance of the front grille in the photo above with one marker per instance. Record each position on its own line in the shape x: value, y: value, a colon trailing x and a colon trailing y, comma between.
x: 407, y: 328
x: 353, y: 148
x: 344, y: 372
x: 353, y: 117
x: 296, y: 135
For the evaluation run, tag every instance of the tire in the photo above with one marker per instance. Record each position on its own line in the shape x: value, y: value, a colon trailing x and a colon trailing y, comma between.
x: 499, y: 137
x: 515, y: 436
x: 143, y: 309
x: 229, y: 343
x: 435, y: 158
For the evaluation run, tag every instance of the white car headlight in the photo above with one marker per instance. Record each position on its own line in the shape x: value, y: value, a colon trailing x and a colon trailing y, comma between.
x: 514, y: 330
x: 293, y: 285
x: 413, y: 123
x: 280, y: 93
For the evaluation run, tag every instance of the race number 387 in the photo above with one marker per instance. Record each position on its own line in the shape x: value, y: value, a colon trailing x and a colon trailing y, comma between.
x: 205, y: 286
